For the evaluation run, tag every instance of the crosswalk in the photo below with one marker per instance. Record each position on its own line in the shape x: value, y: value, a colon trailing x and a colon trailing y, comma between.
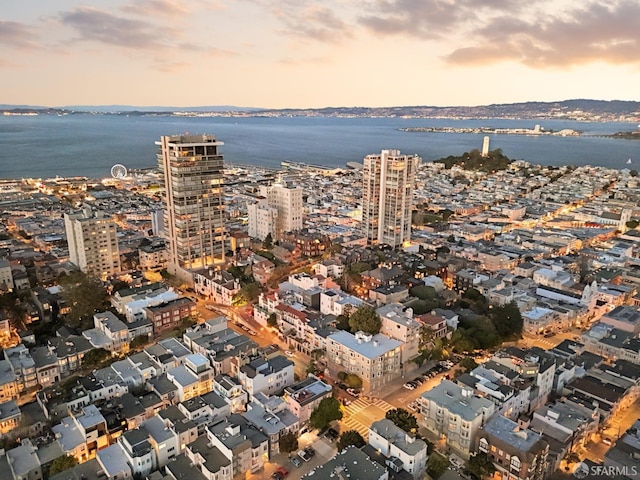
x: 350, y: 419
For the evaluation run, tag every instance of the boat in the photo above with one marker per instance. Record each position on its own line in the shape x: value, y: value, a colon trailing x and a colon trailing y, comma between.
x: 628, y: 161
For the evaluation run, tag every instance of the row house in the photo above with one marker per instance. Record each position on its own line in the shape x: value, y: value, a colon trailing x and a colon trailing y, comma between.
x: 401, y: 449
x: 516, y: 453
x: 193, y: 378
x: 303, y: 397
x: 218, y: 286
x: 268, y: 376
x: 398, y: 323
x: 205, y: 410
x: 169, y: 315
x: 246, y: 447
x: 23, y: 367
x: 270, y: 415
x: 109, y: 332
x: 153, y: 257
x: 82, y: 434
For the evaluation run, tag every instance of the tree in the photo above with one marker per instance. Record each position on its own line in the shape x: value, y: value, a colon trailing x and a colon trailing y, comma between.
x: 247, y: 294
x: 326, y: 412
x: 96, y: 357
x: 423, y: 292
x: 508, y: 320
x: 631, y: 224
x: 350, y: 437
x: 267, y: 243
x: 365, y: 319
x: 84, y: 295
x: 288, y: 443
x: 342, y: 322
x: 437, y: 465
x: 481, y: 465
x: 61, y: 464
x: 311, y: 367
x: 272, y: 320
x: 403, y: 419
x: 352, y: 380
x: 468, y: 364
x: 138, y: 342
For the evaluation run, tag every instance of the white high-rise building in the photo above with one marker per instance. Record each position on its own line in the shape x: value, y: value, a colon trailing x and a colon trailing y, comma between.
x: 192, y: 169
x: 387, y: 196
x: 93, y: 242
x: 279, y: 210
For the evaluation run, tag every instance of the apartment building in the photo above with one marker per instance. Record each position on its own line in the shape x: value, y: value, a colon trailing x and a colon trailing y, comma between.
x: 400, y: 448
x: 376, y: 359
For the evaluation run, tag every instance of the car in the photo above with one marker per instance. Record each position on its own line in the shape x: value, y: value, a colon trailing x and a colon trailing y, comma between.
x: 310, y: 451
x: 282, y: 471
x: 456, y: 462
x: 209, y: 307
x: 341, y: 386
x: 409, y: 386
x: 417, y: 380
x: 277, y: 476
x: 332, y: 434
x: 289, y: 353
x: 548, y: 335
x: 607, y: 441
x: 353, y: 391
x: 304, y: 455
x: 296, y: 461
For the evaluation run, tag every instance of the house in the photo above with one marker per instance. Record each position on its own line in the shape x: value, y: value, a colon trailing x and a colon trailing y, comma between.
x: 516, y: 452
x: 218, y: 286
x: 398, y: 323
x: 303, y: 397
x: 401, y: 449
x: 109, y: 332
x: 268, y: 376
x: 350, y: 463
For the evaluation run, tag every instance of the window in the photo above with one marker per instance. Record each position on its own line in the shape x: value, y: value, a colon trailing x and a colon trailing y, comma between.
x: 515, y: 464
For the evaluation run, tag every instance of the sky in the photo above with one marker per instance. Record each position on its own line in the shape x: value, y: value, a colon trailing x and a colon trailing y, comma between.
x: 312, y: 54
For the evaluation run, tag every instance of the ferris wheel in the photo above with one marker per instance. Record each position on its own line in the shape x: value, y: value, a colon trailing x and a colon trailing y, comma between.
x: 118, y: 171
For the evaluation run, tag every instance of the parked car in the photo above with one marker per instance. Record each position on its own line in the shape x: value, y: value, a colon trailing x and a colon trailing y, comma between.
x: 409, y: 386
x: 310, y: 451
x: 282, y: 471
x: 332, y: 434
x: 277, y: 476
x: 296, y: 461
x: 289, y: 353
x: 353, y: 391
x: 607, y: 441
x: 304, y: 456
x: 456, y: 462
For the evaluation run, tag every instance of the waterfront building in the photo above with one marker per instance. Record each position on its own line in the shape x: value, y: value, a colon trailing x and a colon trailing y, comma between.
x: 387, y: 194
x: 93, y: 242
x: 192, y: 173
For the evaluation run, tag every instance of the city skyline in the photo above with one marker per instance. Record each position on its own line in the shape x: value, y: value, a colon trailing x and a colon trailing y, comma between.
x: 271, y: 54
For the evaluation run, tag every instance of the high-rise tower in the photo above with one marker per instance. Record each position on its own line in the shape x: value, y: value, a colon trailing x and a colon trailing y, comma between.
x: 192, y: 170
x: 387, y: 194
x: 93, y: 242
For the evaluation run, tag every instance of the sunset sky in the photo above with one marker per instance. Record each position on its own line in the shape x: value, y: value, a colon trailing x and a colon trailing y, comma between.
x: 296, y: 53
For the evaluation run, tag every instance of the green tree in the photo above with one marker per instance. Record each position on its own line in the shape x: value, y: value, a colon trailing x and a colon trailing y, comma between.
x: 403, y: 419
x: 468, y: 364
x: 61, y: 464
x: 365, y: 319
x: 481, y: 465
x: 326, y: 412
x: 350, y: 437
x: 247, y: 294
x: 272, y: 320
x: 267, y: 243
x: 423, y: 292
x: 311, y: 367
x: 288, y: 443
x: 139, y: 342
x: 352, y: 380
x: 437, y: 465
x: 96, y: 357
x: 84, y: 295
x: 342, y: 322
x: 507, y: 320
x: 631, y: 224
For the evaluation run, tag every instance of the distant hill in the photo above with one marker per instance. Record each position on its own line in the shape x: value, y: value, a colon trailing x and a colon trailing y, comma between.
x: 580, y: 109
